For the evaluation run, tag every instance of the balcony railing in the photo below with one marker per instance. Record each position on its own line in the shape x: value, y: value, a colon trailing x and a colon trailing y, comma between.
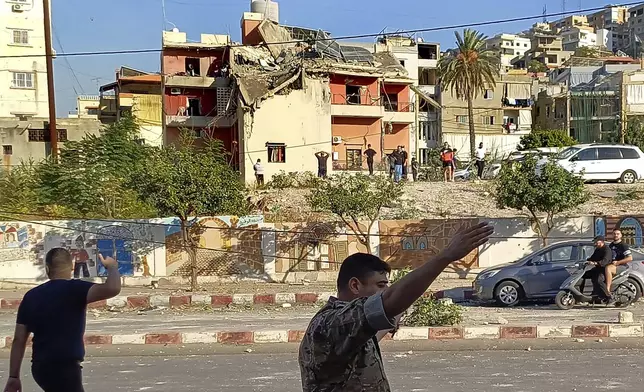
x: 405, y: 107
x: 355, y: 99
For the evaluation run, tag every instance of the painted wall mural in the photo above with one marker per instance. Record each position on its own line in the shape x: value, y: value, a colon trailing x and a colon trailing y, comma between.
x: 632, y: 228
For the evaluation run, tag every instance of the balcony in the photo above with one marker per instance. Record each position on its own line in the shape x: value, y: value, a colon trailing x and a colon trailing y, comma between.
x: 426, y: 63
x: 355, y: 106
x: 196, y: 81
x: 399, y: 112
x: 428, y: 89
x: 200, y: 121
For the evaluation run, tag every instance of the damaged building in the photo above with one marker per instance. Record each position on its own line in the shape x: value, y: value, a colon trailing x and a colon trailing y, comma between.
x: 285, y: 94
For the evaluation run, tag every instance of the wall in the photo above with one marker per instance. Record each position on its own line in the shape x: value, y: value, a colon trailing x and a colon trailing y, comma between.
x: 356, y: 132
x: 301, y: 120
x: 32, y: 101
x: 208, y: 101
x: 226, y: 246
x: 148, y: 110
x: 496, y: 145
x: 15, y: 133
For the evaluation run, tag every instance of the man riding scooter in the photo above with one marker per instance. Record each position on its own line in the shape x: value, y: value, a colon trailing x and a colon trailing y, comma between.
x: 601, y: 258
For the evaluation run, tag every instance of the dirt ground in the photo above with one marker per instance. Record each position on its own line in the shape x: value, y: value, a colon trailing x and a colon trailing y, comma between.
x: 427, y: 200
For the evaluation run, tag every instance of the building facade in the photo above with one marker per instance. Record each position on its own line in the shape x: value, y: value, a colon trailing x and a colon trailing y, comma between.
x: 23, y: 80
x: 87, y: 106
x: 508, y: 47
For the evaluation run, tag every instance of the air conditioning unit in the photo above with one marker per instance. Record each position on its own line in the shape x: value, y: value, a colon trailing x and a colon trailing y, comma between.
x: 16, y: 8
x: 175, y: 91
x: 336, y: 140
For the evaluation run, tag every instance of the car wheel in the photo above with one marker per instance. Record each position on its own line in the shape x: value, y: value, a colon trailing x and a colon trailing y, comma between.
x: 628, y: 177
x: 507, y: 293
x: 636, y: 287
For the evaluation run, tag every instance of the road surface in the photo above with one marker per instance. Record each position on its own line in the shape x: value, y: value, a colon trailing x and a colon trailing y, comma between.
x: 475, y: 370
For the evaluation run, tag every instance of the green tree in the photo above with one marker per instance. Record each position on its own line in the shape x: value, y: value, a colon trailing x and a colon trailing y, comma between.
x: 184, y: 181
x: 537, y: 66
x: 468, y: 71
x: 586, y: 51
x: 354, y: 199
x: 18, y: 189
x: 540, y: 189
x: 545, y: 138
x: 634, y: 133
x: 90, y: 177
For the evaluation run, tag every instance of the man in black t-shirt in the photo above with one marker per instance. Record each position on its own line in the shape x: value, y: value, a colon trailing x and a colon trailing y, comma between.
x: 370, y: 153
x: 399, y: 160
x: 322, y: 157
x: 405, y: 161
x: 55, y: 313
x: 621, y: 255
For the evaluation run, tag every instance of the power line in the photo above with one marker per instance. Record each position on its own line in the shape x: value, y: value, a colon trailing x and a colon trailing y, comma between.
x: 340, y: 38
x: 69, y: 65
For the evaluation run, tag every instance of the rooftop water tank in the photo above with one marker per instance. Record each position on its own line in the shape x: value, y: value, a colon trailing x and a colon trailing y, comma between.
x: 270, y: 9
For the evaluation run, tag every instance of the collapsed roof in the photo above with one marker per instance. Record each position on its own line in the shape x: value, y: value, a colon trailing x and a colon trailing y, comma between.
x: 288, y: 52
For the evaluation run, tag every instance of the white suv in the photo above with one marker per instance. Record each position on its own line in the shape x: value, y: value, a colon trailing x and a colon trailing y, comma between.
x: 604, y: 162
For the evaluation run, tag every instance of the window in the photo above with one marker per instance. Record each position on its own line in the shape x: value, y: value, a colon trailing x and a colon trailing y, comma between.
x: 489, y: 94
x: 193, y: 67
x: 194, y: 107
x: 390, y: 102
x: 276, y: 152
x: 488, y: 120
x: 559, y: 254
x: 22, y: 80
x: 608, y: 153
x: 461, y: 119
x: 427, y: 52
x: 423, y: 130
x: 547, y: 110
x: 20, y: 37
x: 629, y: 153
x: 587, y: 155
x: 402, y: 62
x: 426, y: 76
x: 424, y: 156
x: 42, y: 135
x: 7, y: 150
x: 518, y: 44
x: 353, y: 94
x: 518, y: 53
x: 525, y: 45
x: 354, y: 158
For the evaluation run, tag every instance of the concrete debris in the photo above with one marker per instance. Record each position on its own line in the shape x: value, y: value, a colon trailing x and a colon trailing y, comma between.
x: 625, y: 317
x: 501, y: 321
x: 579, y: 340
x: 272, y: 32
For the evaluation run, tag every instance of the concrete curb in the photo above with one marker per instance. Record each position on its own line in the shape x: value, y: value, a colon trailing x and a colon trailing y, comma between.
x: 222, y: 300
x: 404, y: 334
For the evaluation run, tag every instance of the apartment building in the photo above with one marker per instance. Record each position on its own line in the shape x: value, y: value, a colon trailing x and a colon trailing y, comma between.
x: 138, y: 93
x: 577, y: 37
x: 508, y: 47
x: 420, y: 59
x: 87, y: 106
x: 501, y: 115
x: 545, y: 48
x: 23, y: 80
x: 634, y: 34
x: 569, y: 22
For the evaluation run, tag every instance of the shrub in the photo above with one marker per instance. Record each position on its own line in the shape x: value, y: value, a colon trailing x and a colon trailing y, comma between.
x: 545, y: 138
x: 428, y: 311
x: 284, y: 180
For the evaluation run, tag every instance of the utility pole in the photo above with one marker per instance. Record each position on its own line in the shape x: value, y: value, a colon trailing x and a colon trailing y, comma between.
x: 49, y: 57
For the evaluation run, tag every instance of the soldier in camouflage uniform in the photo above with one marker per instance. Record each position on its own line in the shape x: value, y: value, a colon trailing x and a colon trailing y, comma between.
x: 340, y: 350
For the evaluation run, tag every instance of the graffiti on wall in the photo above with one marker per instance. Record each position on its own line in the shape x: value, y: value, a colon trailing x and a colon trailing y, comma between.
x: 226, y: 245
x: 630, y: 226
x: 411, y: 243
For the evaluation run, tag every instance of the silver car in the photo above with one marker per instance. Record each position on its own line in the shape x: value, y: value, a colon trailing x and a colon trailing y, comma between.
x: 539, y: 275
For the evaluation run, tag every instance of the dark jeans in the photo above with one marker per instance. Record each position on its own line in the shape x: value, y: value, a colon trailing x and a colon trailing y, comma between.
x: 370, y: 166
x: 480, y: 165
x: 58, y: 377
x: 77, y: 269
x: 260, y: 179
x: 321, y: 172
x: 414, y: 174
x: 596, y: 276
x: 404, y: 172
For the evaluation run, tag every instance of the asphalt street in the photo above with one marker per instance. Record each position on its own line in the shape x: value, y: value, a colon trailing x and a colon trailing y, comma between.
x: 585, y: 370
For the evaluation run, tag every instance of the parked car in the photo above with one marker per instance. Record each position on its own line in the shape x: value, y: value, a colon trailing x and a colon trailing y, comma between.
x: 540, y: 274
x: 603, y: 162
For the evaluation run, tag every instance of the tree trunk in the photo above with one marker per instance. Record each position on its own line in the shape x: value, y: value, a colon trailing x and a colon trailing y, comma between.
x: 470, y: 116
x: 192, y: 254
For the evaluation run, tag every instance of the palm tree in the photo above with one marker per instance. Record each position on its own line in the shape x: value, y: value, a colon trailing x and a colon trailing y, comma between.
x: 468, y: 70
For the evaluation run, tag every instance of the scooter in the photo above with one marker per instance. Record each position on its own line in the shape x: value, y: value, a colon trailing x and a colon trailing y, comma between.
x: 570, y: 294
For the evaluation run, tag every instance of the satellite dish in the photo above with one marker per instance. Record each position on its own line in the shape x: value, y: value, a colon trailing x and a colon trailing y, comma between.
x: 175, y: 30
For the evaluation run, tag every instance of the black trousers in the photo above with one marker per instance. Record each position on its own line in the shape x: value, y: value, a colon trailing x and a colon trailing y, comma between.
x: 77, y: 270
x: 370, y: 166
x: 260, y: 179
x: 480, y: 165
x: 596, y: 275
x: 58, y: 377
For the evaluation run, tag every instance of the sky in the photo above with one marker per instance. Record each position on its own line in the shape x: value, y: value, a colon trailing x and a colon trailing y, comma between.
x: 91, y: 25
